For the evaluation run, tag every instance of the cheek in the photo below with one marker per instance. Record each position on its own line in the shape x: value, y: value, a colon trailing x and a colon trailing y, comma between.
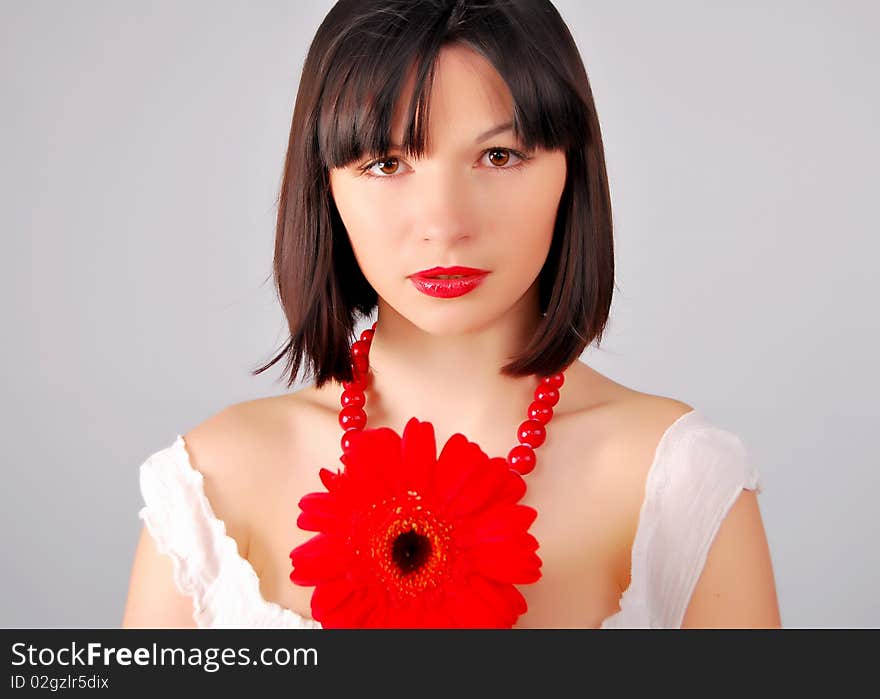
x: 529, y: 218
x: 369, y: 246
x: 369, y: 229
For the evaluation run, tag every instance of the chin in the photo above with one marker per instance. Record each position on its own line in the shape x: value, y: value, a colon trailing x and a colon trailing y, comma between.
x: 455, y: 319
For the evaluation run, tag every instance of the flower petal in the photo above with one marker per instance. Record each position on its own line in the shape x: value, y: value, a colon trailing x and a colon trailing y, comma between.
x: 436, y: 616
x: 514, y: 488
x: 407, y: 614
x: 512, y: 562
x: 320, y: 512
x: 459, y: 462
x: 495, y: 525
x: 482, y: 489
x: 506, y: 598
x: 352, y: 612
x: 522, y: 542
x: 470, y: 611
x: 322, y: 557
x: 419, y: 456
x: 329, y: 594
x: 376, y: 617
x: 330, y: 479
x: 374, y: 462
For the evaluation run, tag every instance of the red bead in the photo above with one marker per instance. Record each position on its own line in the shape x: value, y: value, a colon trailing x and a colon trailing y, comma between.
x: 554, y: 381
x: 355, y: 398
x: 360, y: 382
x: 362, y: 364
x: 345, y: 442
x: 532, y: 432
x: 359, y: 348
x: 352, y: 418
x: 541, y: 412
x: 367, y: 335
x: 545, y: 394
x: 521, y: 459
x: 356, y: 385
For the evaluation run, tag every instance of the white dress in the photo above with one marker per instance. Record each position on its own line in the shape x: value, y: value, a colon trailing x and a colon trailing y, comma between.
x: 697, y: 473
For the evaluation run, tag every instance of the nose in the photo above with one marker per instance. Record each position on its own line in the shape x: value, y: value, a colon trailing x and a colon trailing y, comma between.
x: 445, y: 210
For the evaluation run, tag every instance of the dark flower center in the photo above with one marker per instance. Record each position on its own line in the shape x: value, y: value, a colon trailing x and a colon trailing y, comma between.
x: 410, y: 551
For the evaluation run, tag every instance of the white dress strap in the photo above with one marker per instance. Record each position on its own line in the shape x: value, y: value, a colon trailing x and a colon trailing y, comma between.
x: 178, y: 517
x: 699, y: 471
x: 224, y: 587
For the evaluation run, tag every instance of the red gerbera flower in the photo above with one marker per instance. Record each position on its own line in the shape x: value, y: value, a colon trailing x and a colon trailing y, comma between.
x: 410, y: 540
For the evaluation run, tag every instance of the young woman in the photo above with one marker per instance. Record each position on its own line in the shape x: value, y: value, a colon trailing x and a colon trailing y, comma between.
x: 431, y: 139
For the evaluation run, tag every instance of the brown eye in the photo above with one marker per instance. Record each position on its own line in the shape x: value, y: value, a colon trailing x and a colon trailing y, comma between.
x: 390, y: 164
x: 499, y: 156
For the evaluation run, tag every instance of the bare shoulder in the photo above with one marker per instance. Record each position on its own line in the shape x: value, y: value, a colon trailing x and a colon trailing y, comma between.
x: 221, y: 445
x: 229, y: 450
x: 628, y: 426
x: 235, y: 450
x: 625, y: 425
x: 642, y: 418
x: 637, y: 422
x: 627, y: 415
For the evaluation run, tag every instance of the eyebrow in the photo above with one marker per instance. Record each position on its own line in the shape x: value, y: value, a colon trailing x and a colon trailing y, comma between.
x: 494, y: 131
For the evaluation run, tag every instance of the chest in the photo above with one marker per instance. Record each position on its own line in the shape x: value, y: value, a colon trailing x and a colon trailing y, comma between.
x: 584, y: 531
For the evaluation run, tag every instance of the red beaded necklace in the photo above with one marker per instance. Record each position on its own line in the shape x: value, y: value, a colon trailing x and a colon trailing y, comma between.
x: 531, y: 432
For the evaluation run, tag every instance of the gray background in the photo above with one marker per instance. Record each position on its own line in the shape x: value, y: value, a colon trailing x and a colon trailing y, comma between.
x: 142, y: 146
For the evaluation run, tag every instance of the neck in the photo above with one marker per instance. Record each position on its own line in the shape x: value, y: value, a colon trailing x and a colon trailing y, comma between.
x: 452, y: 380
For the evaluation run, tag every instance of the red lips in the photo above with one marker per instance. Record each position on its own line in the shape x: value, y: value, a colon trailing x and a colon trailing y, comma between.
x: 437, y: 271
x: 428, y: 281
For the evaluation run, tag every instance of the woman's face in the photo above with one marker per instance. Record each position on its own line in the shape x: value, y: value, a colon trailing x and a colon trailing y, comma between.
x: 472, y: 201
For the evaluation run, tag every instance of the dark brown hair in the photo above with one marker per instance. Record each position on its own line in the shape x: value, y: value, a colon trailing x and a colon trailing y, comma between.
x: 353, y: 74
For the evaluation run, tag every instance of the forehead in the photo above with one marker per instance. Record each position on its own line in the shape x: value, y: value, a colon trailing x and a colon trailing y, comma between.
x: 375, y: 101
x: 467, y: 97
